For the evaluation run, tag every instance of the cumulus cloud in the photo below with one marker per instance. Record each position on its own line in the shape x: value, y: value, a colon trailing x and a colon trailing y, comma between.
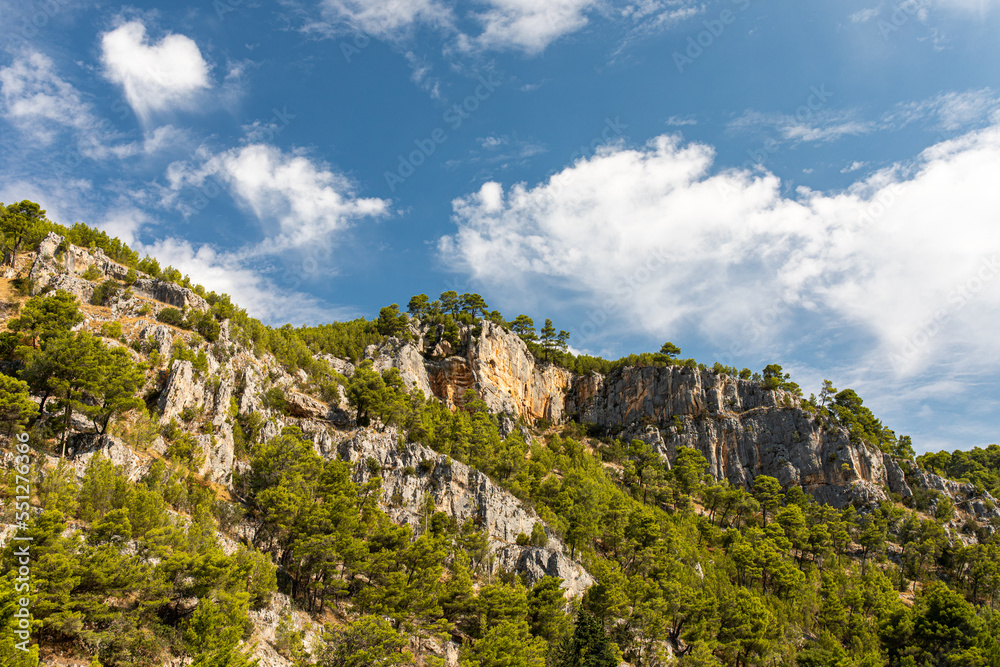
x: 650, y: 239
x: 155, y: 77
x: 39, y: 102
x: 299, y: 200
x: 503, y: 25
x: 527, y: 25
x: 228, y: 273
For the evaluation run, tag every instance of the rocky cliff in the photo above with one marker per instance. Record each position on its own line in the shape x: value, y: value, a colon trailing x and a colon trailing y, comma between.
x: 743, y: 429
x: 495, y: 363
x: 410, y: 472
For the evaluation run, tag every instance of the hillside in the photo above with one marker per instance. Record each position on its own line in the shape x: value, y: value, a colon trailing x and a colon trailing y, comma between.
x: 445, y: 488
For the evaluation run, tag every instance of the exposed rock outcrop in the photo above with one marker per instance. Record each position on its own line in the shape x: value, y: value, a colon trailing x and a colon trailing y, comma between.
x: 87, y: 445
x: 411, y: 471
x: 496, y: 364
x: 169, y: 293
x: 183, y: 390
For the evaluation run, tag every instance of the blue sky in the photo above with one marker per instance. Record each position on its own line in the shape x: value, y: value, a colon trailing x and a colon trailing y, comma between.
x: 812, y: 184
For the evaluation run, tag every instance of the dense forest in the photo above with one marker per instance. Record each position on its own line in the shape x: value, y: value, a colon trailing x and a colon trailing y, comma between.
x: 172, y: 568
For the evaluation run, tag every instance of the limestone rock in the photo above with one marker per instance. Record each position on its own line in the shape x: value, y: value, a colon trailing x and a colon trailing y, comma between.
x: 169, y: 293
x: 250, y: 400
x: 183, y: 390
x: 307, y: 407
x: 78, y: 287
x: 87, y: 445
x: 742, y: 429
x: 160, y: 338
x: 410, y: 471
x: 406, y: 358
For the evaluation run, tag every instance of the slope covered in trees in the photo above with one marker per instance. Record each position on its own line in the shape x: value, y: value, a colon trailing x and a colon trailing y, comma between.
x: 690, y: 571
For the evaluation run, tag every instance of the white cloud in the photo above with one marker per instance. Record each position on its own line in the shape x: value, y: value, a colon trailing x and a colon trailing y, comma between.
x: 517, y: 25
x: 528, y: 25
x: 228, y: 273
x: 865, y: 15
x: 653, y: 241
x: 39, y: 102
x: 646, y: 18
x: 387, y: 19
x: 806, y: 125
x: 169, y: 74
x: 125, y: 223
x: 492, y: 142
x: 36, y: 100
x: 421, y: 75
x: 950, y: 112
x: 854, y: 166
x: 299, y: 200
x: 677, y: 121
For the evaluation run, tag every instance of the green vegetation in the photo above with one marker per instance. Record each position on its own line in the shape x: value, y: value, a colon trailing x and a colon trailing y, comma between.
x: 78, y: 370
x: 689, y: 571
x: 175, y: 592
x: 978, y: 466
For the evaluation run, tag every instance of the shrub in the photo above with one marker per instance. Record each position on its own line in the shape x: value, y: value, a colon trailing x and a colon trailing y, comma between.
x: 539, y: 538
x: 92, y: 273
x: 105, y: 293
x: 171, y: 316
x: 111, y: 330
x: 274, y: 399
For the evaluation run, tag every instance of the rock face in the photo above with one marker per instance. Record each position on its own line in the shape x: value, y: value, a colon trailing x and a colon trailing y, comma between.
x: 64, y: 273
x: 496, y: 364
x: 87, y: 445
x: 742, y: 429
x: 411, y: 471
x: 169, y: 293
x: 184, y: 389
x: 745, y: 430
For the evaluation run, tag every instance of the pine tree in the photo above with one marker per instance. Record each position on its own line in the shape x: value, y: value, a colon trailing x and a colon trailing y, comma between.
x: 16, y: 406
x: 524, y: 327
x: 589, y: 645
x: 548, y: 338
x: 44, y: 317
x: 17, y: 221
